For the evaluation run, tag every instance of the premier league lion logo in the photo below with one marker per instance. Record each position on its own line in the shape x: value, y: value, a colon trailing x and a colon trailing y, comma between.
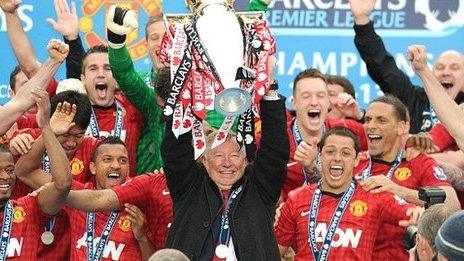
x: 438, y: 20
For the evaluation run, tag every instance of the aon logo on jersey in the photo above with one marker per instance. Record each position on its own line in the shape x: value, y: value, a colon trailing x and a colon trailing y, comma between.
x: 14, y: 247
x: 342, y: 238
x: 110, y: 251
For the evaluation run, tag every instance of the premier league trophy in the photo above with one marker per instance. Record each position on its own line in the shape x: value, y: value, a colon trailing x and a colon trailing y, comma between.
x: 219, y: 61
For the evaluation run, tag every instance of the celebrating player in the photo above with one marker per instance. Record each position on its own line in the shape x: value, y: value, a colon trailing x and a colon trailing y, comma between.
x: 24, y: 218
x: 337, y: 218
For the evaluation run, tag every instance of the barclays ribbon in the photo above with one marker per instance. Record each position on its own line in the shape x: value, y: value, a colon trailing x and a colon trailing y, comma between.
x: 222, y: 250
x: 323, y: 253
x: 118, y: 123
x: 366, y: 173
x: 6, y: 230
x: 96, y: 255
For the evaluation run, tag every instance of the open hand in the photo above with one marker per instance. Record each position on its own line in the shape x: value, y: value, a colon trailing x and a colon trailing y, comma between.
x: 139, y: 223
x: 67, y: 23
x: 62, y: 119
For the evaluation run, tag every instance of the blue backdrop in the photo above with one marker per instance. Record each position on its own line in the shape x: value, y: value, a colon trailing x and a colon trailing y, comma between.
x: 309, y: 33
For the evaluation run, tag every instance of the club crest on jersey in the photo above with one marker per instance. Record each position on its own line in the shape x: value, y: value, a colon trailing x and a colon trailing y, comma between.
x: 19, y: 215
x: 402, y: 174
x: 91, y: 11
x: 77, y: 166
x: 439, y: 174
x: 124, y: 223
x: 358, y: 208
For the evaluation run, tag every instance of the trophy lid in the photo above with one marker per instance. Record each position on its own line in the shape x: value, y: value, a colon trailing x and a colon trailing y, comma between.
x: 197, y: 6
x: 183, y: 19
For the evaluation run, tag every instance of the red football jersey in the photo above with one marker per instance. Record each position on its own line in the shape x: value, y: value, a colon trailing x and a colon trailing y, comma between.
x: 442, y: 138
x: 121, y: 244
x: 132, y: 125
x: 422, y: 171
x: 150, y: 193
x: 354, y: 238
x: 26, y: 229
x: 79, y: 164
x: 295, y: 176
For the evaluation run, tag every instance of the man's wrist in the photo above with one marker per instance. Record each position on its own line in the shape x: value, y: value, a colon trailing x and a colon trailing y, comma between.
x: 47, y: 129
x: 143, y: 239
x: 362, y: 20
x: 71, y: 37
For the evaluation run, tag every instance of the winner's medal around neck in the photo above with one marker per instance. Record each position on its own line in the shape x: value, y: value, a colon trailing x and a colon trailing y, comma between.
x: 222, y: 251
x: 47, y: 238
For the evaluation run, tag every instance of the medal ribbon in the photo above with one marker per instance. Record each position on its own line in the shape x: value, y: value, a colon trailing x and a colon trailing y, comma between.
x: 118, y: 123
x: 224, y: 233
x: 6, y: 230
x: 366, y: 173
x: 97, y: 255
x: 323, y: 253
x: 47, y: 168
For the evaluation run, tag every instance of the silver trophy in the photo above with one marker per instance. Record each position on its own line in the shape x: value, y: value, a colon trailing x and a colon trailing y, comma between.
x: 222, y: 34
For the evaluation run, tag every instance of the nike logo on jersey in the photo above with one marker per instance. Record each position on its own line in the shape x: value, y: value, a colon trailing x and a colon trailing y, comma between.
x: 304, y: 213
x: 165, y: 192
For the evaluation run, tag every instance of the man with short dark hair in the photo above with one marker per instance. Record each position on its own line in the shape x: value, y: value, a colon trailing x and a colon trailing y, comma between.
x: 127, y: 230
x: 341, y: 94
x: 27, y: 218
x: 386, y: 124
x: 306, y: 127
x: 78, y: 151
x: 336, y: 219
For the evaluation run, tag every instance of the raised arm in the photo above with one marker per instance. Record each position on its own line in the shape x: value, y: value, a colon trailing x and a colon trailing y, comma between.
x: 20, y: 43
x: 448, y: 112
x: 67, y: 24
x: 60, y: 123
x: 93, y: 200
x: 381, y: 65
x: 51, y: 198
x: 131, y: 83
x: 23, y: 99
x: 272, y: 157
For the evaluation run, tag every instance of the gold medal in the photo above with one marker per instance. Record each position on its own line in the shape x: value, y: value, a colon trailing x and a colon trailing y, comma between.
x: 222, y: 251
x: 47, y: 238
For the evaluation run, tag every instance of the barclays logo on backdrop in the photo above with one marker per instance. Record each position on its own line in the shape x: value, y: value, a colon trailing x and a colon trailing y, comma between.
x: 24, y: 12
x: 398, y: 18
